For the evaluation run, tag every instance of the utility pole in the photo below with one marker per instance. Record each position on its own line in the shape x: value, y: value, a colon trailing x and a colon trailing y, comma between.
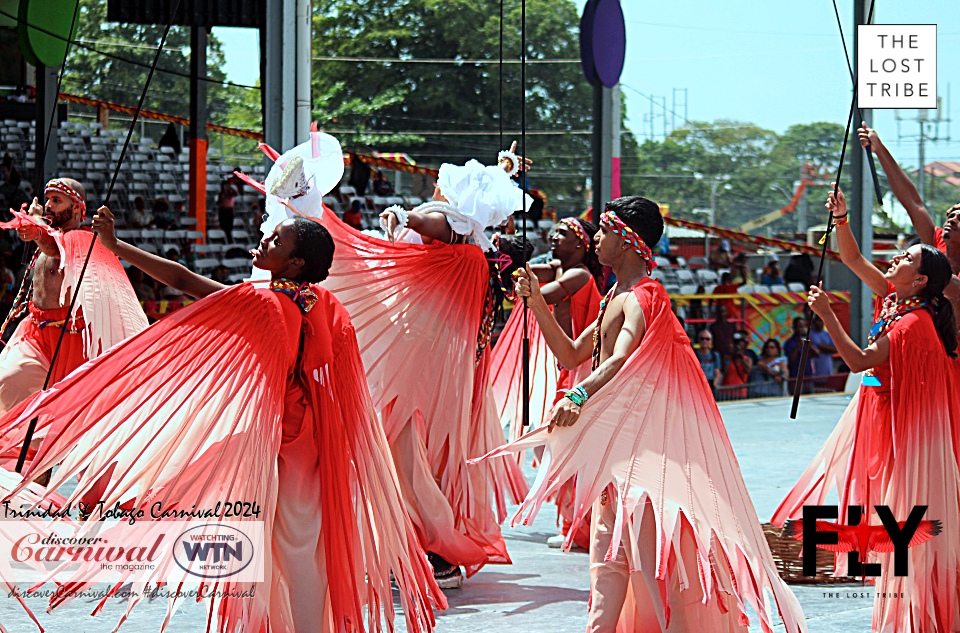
x: 928, y: 130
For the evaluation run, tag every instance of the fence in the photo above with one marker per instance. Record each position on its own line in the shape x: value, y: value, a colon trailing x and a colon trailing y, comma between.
x: 831, y: 383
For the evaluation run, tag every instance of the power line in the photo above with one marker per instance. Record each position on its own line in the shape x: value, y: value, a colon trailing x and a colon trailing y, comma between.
x: 464, y: 133
x: 426, y: 60
x: 80, y: 44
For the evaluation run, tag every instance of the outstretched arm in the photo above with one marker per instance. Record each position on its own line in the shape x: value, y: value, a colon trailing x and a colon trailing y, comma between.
x: 569, y: 353
x: 850, y: 253
x: 856, y: 359
x: 163, y: 270
x: 901, y: 185
x: 431, y: 225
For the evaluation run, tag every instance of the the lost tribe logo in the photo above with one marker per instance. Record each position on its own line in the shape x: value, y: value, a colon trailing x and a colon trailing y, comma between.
x: 213, y: 551
x: 858, y: 537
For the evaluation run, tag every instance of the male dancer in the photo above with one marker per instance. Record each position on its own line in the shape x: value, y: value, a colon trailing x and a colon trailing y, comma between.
x: 106, y: 312
x: 676, y: 544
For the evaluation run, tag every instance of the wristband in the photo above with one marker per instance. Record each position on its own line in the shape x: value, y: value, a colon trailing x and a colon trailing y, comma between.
x: 578, y: 395
x: 510, y: 161
x: 401, y: 214
x: 841, y: 220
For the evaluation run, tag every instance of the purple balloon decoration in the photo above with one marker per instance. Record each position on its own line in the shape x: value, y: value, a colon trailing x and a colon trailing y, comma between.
x: 609, y: 41
x: 586, y: 42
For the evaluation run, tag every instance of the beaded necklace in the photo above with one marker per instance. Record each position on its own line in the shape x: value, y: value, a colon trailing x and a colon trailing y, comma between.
x: 301, y: 294
x: 893, y: 310
x: 596, y: 330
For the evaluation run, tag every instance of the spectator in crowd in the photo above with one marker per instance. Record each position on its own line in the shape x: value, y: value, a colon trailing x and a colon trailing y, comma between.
x: 352, y: 217
x: 359, y: 175
x: 695, y: 309
x: 726, y: 287
x: 709, y: 360
x: 771, y: 274
x: 226, y: 200
x: 736, y: 369
x: 770, y: 372
x: 13, y: 195
x: 143, y: 286
x: 6, y: 167
x: 740, y: 271
x: 822, y: 364
x: 140, y: 217
x: 720, y: 256
x: 749, y: 353
x: 179, y: 212
x: 793, y: 348
x: 171, y: 139
x: 256, y: 215
x: 163, y: 214
x: 382, y: 186
x: 663, y: 246
x: 800, y: 270
x: 220, y: 274
x: 722, y: 331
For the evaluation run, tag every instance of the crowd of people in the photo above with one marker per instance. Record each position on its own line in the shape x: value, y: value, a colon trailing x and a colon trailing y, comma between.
x: 735, y: 370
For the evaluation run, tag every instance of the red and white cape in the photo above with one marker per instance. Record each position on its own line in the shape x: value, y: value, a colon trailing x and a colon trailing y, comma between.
x: 655, y: 435
x: 213, y: 403
x: 417, y: 309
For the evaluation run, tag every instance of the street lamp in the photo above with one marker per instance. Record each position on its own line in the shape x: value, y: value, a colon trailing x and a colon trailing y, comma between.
x: 715, y: 181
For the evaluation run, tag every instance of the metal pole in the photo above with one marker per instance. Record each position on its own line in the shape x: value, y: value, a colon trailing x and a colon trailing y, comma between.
x: 197, y: 192
x: 921, y: 175
x: 861, y: 208
x: 303, y: 101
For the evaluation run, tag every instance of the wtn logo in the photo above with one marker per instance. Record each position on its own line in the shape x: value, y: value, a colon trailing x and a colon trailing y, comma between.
x: 221, y: 551
x: 858, y: 537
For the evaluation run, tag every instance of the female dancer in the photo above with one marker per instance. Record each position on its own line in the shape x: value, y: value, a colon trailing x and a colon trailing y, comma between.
x: 257, y: 395
x: 897, y: 446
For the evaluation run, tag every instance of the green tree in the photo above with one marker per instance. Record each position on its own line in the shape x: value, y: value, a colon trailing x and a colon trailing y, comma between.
x: 452, y: 112
x: 92, y: 74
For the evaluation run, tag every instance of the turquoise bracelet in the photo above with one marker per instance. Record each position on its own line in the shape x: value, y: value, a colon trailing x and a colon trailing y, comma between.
x: 578, y: 395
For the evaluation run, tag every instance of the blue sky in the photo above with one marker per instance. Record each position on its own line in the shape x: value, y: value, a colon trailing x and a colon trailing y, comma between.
x: 769, y: 62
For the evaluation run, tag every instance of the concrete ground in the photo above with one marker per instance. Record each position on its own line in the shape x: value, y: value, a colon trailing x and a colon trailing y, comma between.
x: 546, y: 590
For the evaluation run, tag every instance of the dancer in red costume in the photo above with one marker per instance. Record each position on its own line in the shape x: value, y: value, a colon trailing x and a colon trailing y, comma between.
x: 424, y: 305
x: 572, y: 288
x: 106, y: 312
x: 676, y: 544
x: 256, y: 395
x: 898, y: 445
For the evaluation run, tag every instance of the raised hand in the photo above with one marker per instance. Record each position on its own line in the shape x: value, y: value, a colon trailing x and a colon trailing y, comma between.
x: 819, y: 302
x: 103, y: 223
x: 868, y: 137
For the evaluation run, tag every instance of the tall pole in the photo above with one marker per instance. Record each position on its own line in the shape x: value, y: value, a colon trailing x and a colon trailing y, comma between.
x: 46, y: 153
x: 861, y: 206
x: 921, y: 175
x: 197, y: 193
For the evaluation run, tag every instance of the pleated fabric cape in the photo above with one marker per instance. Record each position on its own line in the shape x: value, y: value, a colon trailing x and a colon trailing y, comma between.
x: 190, y: 412
x: 655, y: 434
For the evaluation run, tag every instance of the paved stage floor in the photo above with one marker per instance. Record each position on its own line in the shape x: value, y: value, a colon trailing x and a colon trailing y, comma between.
x: 546, y: 590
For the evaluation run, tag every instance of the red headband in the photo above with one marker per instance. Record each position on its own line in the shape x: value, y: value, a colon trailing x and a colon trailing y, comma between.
x: 577, y: 228
x: 60, y: 186
x: 610, y: 220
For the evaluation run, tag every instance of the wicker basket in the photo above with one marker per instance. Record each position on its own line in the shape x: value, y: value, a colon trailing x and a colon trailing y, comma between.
x: 786, y: 554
